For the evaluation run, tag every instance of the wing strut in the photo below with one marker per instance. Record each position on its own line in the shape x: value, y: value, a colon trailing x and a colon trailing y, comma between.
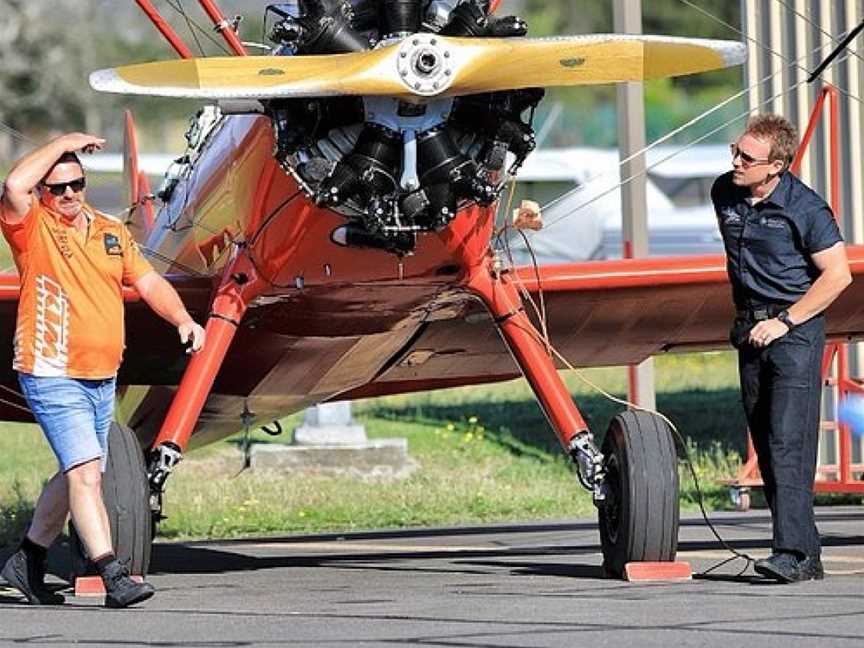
x: 223, y: 26
x: 164, y: 28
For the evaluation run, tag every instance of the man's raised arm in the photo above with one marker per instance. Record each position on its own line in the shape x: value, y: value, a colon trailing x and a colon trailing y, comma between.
x: 29, y: 171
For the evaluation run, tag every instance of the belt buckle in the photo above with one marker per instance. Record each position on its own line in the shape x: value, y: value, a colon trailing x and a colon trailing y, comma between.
x: 760, y: 314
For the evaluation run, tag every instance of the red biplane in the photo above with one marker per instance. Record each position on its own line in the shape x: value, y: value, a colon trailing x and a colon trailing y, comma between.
x: 333, y: 220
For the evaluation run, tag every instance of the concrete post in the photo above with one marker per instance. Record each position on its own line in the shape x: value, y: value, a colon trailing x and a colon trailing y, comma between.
x: 631, y: 138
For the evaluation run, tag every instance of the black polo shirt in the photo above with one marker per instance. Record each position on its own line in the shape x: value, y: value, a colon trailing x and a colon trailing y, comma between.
x: 769, y: 245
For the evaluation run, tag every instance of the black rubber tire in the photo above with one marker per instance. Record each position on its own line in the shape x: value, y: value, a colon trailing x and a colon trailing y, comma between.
x: 640, y: 521
x: 126, y: 494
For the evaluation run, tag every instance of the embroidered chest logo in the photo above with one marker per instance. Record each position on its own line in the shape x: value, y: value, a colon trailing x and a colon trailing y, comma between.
x: 730, y: 216
x: 112, y: 245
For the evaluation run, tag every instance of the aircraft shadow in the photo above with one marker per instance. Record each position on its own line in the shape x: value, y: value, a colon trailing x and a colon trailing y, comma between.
x: 201, y: 558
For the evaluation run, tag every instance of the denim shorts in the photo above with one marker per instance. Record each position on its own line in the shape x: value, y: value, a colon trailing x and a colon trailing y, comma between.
x: 74, y: 414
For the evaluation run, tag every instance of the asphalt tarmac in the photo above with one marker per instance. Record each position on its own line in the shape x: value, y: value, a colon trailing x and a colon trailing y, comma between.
x: 520, y: 585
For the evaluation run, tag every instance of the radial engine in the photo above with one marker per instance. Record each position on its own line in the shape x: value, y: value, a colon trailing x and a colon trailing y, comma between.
x: 396, y: 168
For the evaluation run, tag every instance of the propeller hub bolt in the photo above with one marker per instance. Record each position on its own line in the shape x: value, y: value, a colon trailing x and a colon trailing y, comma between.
x: 427, y: 62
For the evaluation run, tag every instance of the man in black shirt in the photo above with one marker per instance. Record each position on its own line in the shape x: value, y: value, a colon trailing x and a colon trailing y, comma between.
x: 787, y: 262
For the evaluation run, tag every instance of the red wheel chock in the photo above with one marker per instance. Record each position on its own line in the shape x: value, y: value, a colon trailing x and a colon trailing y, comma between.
x: 93, y: 586
x: 639, y: 572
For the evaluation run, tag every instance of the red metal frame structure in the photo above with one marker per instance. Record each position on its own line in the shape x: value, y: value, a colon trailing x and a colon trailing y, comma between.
x: 837, y: 477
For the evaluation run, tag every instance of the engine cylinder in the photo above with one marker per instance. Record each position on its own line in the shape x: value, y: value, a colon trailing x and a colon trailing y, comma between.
x: 399, y: 17
x: 327, y: 29
x: 438, y: 157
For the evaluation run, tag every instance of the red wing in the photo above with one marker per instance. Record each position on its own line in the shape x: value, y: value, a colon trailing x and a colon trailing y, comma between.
x: 600, y: 313
x: 153, y: 354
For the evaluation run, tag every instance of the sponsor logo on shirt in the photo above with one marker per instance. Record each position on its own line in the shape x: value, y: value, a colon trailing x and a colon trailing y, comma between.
x: 52, y: 328
x: 774, y: 223
x: 112, y: 245
x: 63, y: 243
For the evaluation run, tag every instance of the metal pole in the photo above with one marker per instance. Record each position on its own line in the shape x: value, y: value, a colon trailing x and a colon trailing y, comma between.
x: 631, y: 138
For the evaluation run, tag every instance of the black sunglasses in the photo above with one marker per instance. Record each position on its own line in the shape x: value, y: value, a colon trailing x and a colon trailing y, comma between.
x: 59, y: 188
x: 747, y: 160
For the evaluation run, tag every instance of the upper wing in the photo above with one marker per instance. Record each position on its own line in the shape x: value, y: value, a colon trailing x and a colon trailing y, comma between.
x: 600, y: 313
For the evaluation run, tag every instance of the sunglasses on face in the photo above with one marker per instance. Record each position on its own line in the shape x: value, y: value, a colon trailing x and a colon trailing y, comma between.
x: 59, y: 188
x: 747, y: 160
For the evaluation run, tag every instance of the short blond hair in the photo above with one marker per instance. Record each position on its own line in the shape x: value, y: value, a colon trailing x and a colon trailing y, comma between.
x: 780, y: 131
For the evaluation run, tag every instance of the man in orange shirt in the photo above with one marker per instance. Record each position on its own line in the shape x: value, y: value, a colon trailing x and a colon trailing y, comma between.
x: 73, y: 262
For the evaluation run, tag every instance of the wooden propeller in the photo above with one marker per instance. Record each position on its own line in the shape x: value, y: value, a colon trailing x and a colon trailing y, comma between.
x: 426, y: 65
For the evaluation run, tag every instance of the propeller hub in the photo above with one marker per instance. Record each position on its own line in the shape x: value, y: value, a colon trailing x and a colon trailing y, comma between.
x: 425, y: 64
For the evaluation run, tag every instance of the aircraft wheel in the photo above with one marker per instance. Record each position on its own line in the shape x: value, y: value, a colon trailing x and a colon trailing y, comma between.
x: 640, y: 520
x: 126, y: 494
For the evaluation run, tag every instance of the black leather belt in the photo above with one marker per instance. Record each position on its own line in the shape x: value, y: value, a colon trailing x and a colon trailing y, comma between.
x: 761, y: 312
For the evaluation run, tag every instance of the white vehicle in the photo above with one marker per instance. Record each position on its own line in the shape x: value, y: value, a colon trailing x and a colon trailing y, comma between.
x: 583, y: 217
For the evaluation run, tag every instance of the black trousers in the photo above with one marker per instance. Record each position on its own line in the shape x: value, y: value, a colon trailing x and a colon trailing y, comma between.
x: 781, y: 388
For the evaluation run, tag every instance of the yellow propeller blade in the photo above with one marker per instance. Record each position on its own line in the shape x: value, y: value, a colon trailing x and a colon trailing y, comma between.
x: 504, y: 64
x: 427, y: 65
x: 255, y: 77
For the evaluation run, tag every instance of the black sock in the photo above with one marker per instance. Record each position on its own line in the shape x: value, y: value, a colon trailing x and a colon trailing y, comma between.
x: 32, y: 549
x: 104, y: 560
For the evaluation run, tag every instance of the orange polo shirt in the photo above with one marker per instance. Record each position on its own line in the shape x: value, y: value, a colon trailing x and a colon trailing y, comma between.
x: 70, y: 312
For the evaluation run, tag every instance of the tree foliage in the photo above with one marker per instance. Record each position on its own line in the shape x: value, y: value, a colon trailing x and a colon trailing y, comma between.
x: 47, y: 50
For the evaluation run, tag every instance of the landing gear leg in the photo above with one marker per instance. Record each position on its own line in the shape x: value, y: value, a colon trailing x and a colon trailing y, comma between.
x: 634, y: 481
x: 501, y: 297
x: 238, y: 287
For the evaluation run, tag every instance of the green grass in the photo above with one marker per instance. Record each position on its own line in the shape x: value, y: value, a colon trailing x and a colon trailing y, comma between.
x: 486, y: 454
x: 26, y: 463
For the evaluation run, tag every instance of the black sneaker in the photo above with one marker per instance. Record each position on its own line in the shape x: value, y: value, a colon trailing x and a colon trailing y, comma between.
x: 782, y: 567
x: 120, y: 590
x: 27, y: 575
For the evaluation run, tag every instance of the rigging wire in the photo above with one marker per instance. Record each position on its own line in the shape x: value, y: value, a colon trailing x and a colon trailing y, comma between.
x: 620, y: 184
x: 824, y: 32
x: 698, y: 118
x: 177, y: 6
x: 769, y: 50
x: 189, y: 26
x: 14, y: 132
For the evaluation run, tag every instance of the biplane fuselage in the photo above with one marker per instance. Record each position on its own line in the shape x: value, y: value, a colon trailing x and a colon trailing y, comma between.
x: 328, y: 318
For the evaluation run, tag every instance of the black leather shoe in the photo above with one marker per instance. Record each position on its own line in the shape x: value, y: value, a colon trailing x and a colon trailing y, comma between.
x: 811, y: 568
x: 784, y: 568
x: 120, y: 590
x: 27, y: 574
